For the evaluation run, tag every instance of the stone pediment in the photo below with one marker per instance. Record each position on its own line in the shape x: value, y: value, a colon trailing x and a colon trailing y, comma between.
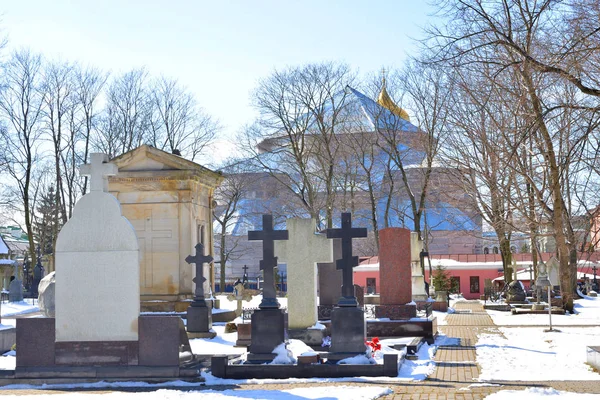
x: 150, y: 161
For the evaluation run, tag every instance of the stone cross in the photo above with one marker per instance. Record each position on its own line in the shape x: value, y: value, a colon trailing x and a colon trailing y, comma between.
x: 199, y: 259
x: 301, y: 253
x: 245, y: 276
x: 347, y: 262
x: 99, y: 170
x: 268, y: 235
x: 239, y: 294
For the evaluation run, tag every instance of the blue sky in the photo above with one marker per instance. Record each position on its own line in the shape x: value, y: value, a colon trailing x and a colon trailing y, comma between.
x: 219, y: 49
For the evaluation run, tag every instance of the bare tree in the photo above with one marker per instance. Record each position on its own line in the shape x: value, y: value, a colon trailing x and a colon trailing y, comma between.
x: 20, y: 106
x: 126, y: 119
x: 301, y: 111
x: 178, y: 123
x: 541, y: 43
x: 89, y: 83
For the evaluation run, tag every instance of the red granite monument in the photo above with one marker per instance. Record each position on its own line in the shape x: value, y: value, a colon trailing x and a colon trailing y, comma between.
x: 396, y: 275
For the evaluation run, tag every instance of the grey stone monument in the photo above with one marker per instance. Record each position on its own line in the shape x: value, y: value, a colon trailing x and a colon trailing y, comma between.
x: 199, y: 316
x: 268, y: 329
x: 15, y: 289
x: 515, y: 292
x: 330, y: 283
x: 348, y: 325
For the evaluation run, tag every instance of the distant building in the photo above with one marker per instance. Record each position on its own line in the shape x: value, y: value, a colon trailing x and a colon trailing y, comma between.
x: 453, y: 226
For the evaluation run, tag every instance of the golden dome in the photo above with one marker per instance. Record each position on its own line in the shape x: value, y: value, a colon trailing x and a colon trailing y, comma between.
x: 386, y: 101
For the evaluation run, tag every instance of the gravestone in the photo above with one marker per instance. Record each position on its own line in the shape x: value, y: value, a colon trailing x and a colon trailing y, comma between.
x: 47, y: 296
x: 97, y: 260
x: 396, y: 270
x: 553, y: 269
x: 301, y: 253
x: 268, y: 321
x: 348, y: 324
x: 15, y: 289
x: 418, y: 279
x: 239, y: 294
x: 330, y: 283
x: 199, y: 316
x: 98, y: 332
x: 515, y: 292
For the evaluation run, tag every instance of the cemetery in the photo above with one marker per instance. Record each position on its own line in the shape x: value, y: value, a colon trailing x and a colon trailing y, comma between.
x: 300, y: 200
x: 93, y: 329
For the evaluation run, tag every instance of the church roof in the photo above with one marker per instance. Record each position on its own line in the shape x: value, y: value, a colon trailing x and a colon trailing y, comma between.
x: 379, y: 116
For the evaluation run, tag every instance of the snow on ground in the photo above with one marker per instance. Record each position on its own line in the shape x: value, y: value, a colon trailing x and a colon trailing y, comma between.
x: 324, y: 392
x: 539, y: 393
x: 223, y: 343
x: 530, y: 354
x: 22, y: 307
x: 587, y: 312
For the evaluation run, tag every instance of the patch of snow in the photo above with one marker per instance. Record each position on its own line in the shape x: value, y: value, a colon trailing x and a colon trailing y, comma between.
x: 360, y: 359
x: 318, y: 326
x: 534, y: 355
x: 320, y: 392
x: 18, y: 308
x: 284, y: 356
x: 539, y: 393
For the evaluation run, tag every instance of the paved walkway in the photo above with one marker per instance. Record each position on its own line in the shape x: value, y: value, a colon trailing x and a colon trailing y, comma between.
x: 456, y: 369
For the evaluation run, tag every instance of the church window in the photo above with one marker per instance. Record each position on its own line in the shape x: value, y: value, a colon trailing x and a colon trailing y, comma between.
x: 486, y: 250
x: 495, y: 250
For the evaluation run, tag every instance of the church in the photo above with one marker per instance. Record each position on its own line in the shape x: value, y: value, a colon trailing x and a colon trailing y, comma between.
x: 453, y: 227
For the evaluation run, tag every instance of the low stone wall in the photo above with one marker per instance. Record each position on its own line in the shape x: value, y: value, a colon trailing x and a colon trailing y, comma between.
x: 221, y: 368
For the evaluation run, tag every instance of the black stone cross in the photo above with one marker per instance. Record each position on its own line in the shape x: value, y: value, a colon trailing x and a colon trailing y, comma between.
x: 594, y: 268
x: 347, y: 262
x: 245, y: 276
x: 199, y: 259
x: 268, y: 235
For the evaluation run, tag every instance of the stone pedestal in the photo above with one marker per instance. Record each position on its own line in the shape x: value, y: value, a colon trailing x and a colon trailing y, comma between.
x: 267, y: 333
x: 348, y: 330
x: 199, y: 322
x: 244, y: 332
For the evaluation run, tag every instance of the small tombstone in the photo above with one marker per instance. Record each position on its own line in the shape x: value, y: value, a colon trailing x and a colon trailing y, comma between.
x: 15, y: 289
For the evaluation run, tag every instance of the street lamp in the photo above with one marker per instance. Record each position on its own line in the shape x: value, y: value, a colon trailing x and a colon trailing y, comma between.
x: 543, y: 282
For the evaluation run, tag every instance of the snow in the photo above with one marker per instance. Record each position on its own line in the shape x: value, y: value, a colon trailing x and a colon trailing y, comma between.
x: 18, y: 308
x: 539, y: 393
x: 587, y: 312
x: 530, y: 354
x: 321, y: 392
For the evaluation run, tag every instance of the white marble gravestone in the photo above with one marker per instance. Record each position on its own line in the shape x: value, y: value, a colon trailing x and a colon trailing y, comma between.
x: 97, y: 266
x: 301, y: 253
x: 418, y: 280
x: 553, y: 266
